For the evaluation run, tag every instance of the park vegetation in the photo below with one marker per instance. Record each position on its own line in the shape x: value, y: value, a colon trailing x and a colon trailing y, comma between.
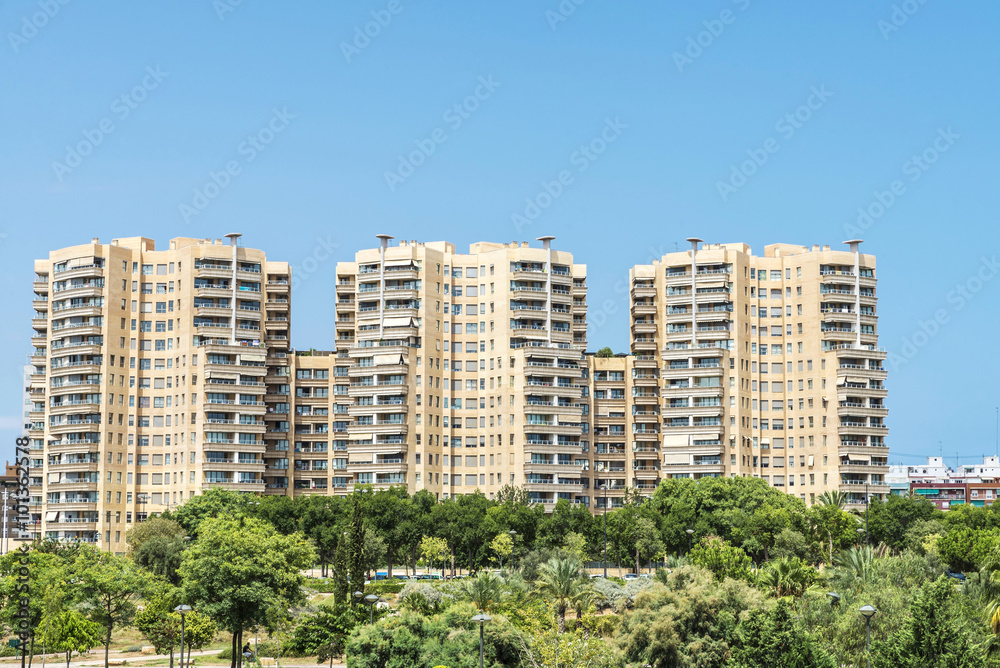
x: 713, y: 572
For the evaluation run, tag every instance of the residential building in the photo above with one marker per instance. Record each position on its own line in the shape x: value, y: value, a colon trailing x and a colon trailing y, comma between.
x: 464, y: 371
x: 148, y: 383
x: 770, y: 365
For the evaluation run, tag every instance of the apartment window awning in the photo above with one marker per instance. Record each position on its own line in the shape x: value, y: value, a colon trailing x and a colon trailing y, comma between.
x: 765, y: 441
x: 52, y: 516
x: 675, y: 440
x: 677, y: 459
x: 399, y: 263
x: 927, y: 492
x: 248, y: 357
x: 398, y: 321
x: 53, y: 478
x: 842, y: 381
x: 841, y: 397
x: 812, y: 460
x: 359, y: 457
x: 361, y: 437
x: 221, y: 375
x: 861, y: 458
x: 855, y: 379
x: 712, y: 284
x: 387, y: 359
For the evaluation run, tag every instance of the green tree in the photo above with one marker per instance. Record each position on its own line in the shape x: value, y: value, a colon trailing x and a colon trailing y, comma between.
x: 604, y: 352
x: 239, y: 569
x: 787, y: 577
x: 356, y: 543
x: 212, y: 503
x: 689, y: 622
x: 561, y: 580
x: 323, y: 520
x: 931, y: 637
x: 162, y: 555
x: 155, y: 527
x: 831, y: 525
x: 69, y: 631
x: 502, y: 545
x: 486, y: 590
x: 109, y: 587
x: 724, y: 561
x: 769, y: 639
x: 388, y: 511
x: 433, y: 548
x: 890, y: 520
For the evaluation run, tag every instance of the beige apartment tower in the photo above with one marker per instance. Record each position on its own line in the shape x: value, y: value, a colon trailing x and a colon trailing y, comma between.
x: 148, y: 379
x: 769, y: 365
x: 463, y: 371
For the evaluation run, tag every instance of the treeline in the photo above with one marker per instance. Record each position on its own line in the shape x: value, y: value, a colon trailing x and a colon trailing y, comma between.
x: 745, y: 512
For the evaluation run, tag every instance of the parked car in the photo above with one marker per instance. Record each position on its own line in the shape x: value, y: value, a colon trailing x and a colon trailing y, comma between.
x: 631, y: 576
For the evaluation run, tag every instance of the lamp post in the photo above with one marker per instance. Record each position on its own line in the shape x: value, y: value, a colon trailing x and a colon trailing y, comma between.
x: 182, y: 610
x: 834, y: 599
x: 513, y: 542
x: 690, y: 533
x: 482, y: 618
x: 868, y: 541
x: 371, y: 600
x: 358, y: 595
x: 860, y: 532
x: 605, y: 558
x: 869, y: 612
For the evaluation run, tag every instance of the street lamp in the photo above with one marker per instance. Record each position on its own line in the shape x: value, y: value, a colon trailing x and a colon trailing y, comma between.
x: 371, y: 600
x: 605, y: 488
x: 358, y: 595
x: 690, y: 533
x: 182, y: 610
x: 834, y: 599
x: 481, y: 619
x: 513, y: 542
x: 869, y: 612
x: 860, y: 531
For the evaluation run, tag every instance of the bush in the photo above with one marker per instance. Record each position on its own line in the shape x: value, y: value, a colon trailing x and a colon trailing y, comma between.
x: 134, y: 648
x: 321, y: 585
x: 382, y: 587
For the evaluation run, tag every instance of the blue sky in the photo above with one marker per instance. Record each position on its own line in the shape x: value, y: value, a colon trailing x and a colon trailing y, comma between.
x: 690, y: 89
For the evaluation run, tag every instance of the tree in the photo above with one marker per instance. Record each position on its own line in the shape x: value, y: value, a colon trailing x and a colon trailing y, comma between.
x: 213, y: 502
x: 561, y: 580
x: 323, y: 521
x: 162, y: 555
x: 890, y: 520
x: 356, y: 544
x: 432, y: 549
x: 690, y: 620
x: 388, y: 511
x: 69, y: 631
x: 485, y: 590
x: 239, y: 569
x: 769, y: 639
x: 931, y: 637
x: 502, y: 544
x: 155, y: 527
x: 605, y: 352
x: 833, y: 497
x: 787, y: 577
x: 833, y: 526
x: 724, y: 561
x: 109, y: 586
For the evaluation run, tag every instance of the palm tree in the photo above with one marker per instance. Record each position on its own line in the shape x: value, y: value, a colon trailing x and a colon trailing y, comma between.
x: 859, y: 560
x: 786, y: 577
x: 561, y: 580
x: 833, y: 497
x: 486, y: 590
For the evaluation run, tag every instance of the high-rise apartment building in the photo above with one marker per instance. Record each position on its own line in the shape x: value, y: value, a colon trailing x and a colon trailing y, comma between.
x: 148, y: 381
x: 769, y: 365
x: 158, y: 374
x: 459, y: 372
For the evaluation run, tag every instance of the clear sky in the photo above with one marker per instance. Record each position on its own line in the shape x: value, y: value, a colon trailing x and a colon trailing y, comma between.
x: 333, y: 136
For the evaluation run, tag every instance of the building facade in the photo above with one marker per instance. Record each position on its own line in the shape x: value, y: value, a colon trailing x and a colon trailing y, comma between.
x: 148, y: 381
x: 770, y: 365
x: 158, y: 374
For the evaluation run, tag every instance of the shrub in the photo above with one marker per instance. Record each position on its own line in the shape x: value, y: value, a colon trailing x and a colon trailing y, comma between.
x: 382, y: 587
